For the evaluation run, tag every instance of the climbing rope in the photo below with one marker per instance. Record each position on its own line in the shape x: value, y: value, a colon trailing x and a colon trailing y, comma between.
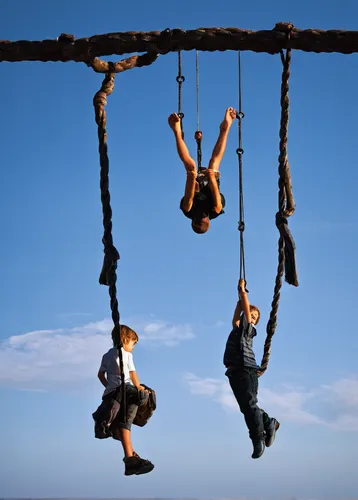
x: 240, y: 115
x: 180, y: 79
x: 286, y: 245
x: 198, y: 134
x: 111, y: 256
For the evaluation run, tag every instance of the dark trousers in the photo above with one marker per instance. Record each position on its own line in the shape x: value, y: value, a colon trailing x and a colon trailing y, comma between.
x: 244, y: 384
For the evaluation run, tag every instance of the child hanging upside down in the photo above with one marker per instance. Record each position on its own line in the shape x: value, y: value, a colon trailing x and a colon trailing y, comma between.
x: 110, y: 376
x: 240, y: 362
x: 202, y: 200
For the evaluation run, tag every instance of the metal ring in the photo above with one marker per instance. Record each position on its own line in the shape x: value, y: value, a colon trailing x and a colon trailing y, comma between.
x: 180, y: 79
x: 181, y: 115
x: 239, y: 151
x: 240, y: 115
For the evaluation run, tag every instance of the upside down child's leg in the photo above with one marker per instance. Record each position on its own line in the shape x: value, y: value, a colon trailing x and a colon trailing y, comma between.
x: 220, y: 146
x: 182, y: 149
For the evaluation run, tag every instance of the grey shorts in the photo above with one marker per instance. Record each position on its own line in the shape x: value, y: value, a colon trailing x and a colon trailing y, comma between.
x: 134, y: 399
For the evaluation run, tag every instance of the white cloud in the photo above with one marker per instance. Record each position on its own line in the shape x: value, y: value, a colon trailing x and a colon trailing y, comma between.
x: 338, y: 401
x: 46, y: 358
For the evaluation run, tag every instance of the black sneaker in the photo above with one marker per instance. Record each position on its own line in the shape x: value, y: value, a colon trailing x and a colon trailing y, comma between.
x: 137, y: 465
x: 271, y: 431
x: 259, y: 448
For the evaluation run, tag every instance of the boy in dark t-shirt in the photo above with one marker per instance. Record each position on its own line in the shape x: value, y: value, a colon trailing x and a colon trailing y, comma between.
x: 242, y: 369
x: 202, y: 200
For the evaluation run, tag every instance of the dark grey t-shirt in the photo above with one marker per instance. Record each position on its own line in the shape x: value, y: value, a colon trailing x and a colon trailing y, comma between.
x: 239, y: 351
x: 203, y: 205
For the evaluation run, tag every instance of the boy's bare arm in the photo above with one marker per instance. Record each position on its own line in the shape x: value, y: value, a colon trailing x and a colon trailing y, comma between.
x: 214, y: 188
x: 189, y: 191
x: 135, y: 380
x: 102, y: 378
x: 244, y: 300
x: 237, y: 314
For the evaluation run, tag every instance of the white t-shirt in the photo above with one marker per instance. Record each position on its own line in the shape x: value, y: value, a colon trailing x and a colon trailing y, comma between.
x: 110, y: 366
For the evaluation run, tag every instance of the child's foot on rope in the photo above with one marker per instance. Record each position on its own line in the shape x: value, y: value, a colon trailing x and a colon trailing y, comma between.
x: 271, y: 429
x: 230, y: 116
x: 137, y: 465
x: 174, y: 122
x: 259, y: 447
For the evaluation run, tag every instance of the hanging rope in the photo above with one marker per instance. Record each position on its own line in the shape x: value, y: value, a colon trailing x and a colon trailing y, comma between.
x: 180, y: 79
x: 198, y: 134
x: 286, y: 245
x: 111, y: 256
x: 240, y: 115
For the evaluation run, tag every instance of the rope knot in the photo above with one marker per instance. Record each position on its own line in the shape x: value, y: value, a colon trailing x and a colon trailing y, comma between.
x: 111, y: 256
x: 280, y: 219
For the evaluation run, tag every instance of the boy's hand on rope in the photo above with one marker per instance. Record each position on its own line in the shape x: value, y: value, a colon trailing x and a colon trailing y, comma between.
x: 142, y: 388
x: 242, y: 286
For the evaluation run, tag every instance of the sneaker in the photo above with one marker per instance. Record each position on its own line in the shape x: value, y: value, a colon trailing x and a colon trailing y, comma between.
x: 271, y: 431
x: 137, y: 465
x: 259, y: 448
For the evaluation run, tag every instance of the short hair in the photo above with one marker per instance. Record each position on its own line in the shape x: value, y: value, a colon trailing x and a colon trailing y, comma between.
x: 254, y: 308
x: 200, y: 226
x: 126, y: 335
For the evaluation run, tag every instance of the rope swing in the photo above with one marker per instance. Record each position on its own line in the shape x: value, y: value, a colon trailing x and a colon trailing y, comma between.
x: 286, y: 207
x: 241, y: 227
x: 180, y: 79
x: 108, y: 274
x: 198, y: 134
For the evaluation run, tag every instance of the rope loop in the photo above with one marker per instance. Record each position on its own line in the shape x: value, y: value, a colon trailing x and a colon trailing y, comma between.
x: 108, y: 274
x: 239, y: 151
x: 180, y: 79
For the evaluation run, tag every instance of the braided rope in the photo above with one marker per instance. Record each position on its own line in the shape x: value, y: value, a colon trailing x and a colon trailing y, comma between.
x: 108, y: 274
x: 67, y: 48
x: 100, y: 66
x: 286, y: 247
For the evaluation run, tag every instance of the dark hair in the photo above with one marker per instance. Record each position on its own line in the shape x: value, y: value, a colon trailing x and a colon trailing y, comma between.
x: 200, y: 226
x: 254, y: 308
x: 126, y: 334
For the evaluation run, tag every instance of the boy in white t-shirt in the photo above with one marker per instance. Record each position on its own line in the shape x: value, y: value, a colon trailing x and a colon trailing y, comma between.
x: 110, y: 376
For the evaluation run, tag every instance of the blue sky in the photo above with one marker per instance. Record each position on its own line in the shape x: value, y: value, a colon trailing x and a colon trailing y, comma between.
x: 176, y: 288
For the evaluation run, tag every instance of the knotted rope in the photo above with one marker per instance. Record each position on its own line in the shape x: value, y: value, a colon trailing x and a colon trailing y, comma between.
x: 286, y: 207
x: 111, y: 256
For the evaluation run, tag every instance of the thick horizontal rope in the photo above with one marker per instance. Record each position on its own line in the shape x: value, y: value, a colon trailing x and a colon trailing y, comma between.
x: 100, y: 66
x: 67, y: 48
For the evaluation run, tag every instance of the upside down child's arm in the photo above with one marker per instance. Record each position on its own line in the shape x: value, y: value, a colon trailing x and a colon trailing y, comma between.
x: 214, y: 188
x: 189, y: 190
